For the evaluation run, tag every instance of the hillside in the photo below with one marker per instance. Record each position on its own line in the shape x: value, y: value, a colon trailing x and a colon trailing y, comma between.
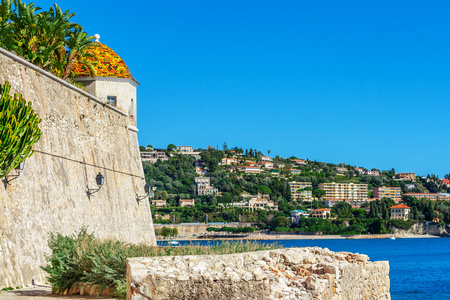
x: 242, y: 175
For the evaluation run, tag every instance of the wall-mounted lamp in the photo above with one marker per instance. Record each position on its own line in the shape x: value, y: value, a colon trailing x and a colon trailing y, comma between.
x: 8, y: 178
x: 100, y: 181
x: 147, y: 191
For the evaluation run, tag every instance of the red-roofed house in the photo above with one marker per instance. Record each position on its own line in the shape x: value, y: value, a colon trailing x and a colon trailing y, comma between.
x: 299, y: 162
x: 445, y: 181
x: 187, y: 202
x: 400, y: 212
x: 406, y: 176
x: 321, y: 213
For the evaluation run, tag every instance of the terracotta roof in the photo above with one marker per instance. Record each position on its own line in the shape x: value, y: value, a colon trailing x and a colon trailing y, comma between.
x: 400, y: 206
x: 107, y: 64
x: 321, y: 209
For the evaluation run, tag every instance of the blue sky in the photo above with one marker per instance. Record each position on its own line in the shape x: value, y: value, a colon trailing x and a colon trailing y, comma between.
x: 365, y: 83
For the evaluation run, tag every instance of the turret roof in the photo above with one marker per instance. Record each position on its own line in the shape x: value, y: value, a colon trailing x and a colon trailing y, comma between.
x: 107, y: 64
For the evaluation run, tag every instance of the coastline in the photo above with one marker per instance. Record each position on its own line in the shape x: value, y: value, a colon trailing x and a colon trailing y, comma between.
x: 274, y: 237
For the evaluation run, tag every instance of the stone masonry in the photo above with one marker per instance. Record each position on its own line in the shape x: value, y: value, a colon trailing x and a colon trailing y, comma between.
x: 80, y: 138
x: 294, y: 273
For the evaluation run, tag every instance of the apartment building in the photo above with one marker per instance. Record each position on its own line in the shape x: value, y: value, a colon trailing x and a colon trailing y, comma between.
x: 430, y: 196
x: 204, y: 187
x: 298, y: 192
x: 333, y: 202
x: 400, y: 212
x: 345, y: 191
x: 406, y: 176
x: 153, y: 156
x: 395, y: 193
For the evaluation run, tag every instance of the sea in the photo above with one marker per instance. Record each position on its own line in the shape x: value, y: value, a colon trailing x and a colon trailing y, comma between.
x: 419, y: 267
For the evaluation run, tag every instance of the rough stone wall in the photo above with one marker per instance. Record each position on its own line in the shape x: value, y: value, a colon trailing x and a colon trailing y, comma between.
x: 295, y: 273
x: 81, y: 139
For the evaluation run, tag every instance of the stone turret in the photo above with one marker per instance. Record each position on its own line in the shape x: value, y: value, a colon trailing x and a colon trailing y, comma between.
x: 113, y: 81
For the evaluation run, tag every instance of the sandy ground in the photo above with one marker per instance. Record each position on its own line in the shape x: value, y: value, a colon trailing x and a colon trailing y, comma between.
x: 40, y: 292
x: 304, y: 237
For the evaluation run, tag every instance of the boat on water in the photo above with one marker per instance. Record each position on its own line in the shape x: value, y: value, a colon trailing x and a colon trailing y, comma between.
x: 392, y: 237
x: 174, y: 243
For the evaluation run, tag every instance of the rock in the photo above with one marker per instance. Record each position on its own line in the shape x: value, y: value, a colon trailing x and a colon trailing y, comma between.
x: 259, y: 274
x: 247, y: 277
x: 309, y: 260
x: 183, y: 277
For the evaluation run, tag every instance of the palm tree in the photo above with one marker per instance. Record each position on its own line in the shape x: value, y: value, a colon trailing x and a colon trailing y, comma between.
x: 46, y: 38
x: 79, y: 44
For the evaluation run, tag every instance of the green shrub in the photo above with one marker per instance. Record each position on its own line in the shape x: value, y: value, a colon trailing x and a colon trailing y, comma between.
x: 82, y: 258
x: 166, y: 231
x: 405, y: 225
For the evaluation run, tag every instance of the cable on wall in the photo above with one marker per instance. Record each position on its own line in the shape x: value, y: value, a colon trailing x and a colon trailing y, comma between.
x: 88, y: 164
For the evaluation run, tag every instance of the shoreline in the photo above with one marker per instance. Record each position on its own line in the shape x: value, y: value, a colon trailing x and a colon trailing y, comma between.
x: 270, y: 237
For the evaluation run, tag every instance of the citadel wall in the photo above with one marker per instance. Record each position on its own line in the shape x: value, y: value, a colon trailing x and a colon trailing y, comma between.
x: 80, y: 138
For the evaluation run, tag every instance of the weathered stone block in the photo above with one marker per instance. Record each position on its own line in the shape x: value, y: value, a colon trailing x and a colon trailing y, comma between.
x: 344, y: 275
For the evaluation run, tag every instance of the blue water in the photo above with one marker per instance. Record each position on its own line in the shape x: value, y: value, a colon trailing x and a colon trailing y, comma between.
x: 419, y: 268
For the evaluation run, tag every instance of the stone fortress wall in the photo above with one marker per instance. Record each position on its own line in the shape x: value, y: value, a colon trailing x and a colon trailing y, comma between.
x: 81, y: 137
